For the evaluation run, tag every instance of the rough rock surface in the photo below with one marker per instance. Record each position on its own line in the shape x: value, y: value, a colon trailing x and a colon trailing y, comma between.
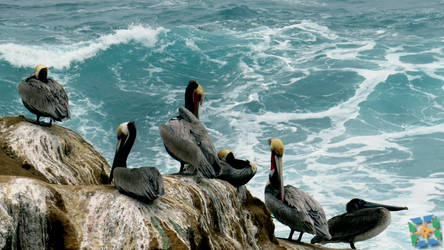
x: 37, y: 212
x: 195, y: 213
x: 291, y: 245
x: 53, y: 154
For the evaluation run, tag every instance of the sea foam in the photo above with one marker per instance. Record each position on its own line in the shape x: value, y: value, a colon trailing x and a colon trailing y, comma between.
x: 61, y: 56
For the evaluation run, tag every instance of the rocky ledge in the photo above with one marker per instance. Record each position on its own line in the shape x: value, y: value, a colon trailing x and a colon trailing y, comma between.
x: 37, y: 212
x: 53, y: 154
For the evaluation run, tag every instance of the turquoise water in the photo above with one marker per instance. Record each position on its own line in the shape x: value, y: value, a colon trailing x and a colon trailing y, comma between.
x: 355, y: 89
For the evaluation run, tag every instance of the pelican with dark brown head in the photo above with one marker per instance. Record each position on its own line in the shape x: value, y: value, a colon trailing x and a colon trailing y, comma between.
x: 362, y: 221
x: 194, y: 97
x: 187, y: 140
x: 44, y: 96
x: 290, y: 205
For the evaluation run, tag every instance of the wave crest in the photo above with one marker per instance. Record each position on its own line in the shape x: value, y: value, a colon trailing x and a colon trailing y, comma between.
x: 61, y: 56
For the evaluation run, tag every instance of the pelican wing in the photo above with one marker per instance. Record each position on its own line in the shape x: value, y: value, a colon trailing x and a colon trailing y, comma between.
x: 46, y: 99
x: 187, y: 139
x: 308, y: 207
x: 346, y: 226
x: 143, y: 183
x: 59, y: 94
x: 236, y: 176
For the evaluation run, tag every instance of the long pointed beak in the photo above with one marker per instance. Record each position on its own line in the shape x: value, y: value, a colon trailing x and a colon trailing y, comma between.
x: 118, y: 145
x: 278, y: 161
x: 200, y: 91
x: 390, y: 208
x: 198, y: 97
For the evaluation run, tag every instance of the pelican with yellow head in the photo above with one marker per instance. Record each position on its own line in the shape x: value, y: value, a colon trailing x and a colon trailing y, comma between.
x: 237, y: 172
x: 143, y: 183
x: 43, y: 96
x: 290, y: 205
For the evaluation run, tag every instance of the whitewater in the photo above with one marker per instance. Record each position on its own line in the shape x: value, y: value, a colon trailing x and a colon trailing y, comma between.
x: 354, y: 89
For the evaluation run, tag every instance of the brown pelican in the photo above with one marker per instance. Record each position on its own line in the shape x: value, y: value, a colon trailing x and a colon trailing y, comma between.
x: 187, y: 140
x: 44, y: 96
x: 362, y: 221
x: 143, y: 183
x: 288, y: 204
x: 239, y: 172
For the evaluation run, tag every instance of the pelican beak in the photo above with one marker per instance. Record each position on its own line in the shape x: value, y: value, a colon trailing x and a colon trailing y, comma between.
x: 388, y: 207
x: 278, y: 162
x: 122, y: 134
x: 253, y: 166
x: 200, y: 93
x: 198, y: 97
x: 118, y: 145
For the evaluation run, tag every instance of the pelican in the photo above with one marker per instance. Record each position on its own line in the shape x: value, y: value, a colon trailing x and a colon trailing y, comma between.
x: 362, y: 221
x: 143, y: 183
x: 288, y: 204
x: 238, y: 172
x: 187, y: 140
x: 44, y: 96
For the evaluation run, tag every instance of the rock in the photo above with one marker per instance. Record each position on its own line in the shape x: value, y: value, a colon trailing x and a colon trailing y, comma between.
x: 292, y: 245
x: 53, y: 154
x: 196, y: 213
x: 37, y: 212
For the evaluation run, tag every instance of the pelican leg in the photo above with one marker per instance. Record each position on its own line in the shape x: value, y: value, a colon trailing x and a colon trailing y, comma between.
x: 290, y: 237
x: 50, y: 122
x: 352, y: 245
x: 38, y: 119
x: 300, y: 237
x: 182, y: 170
x: 182, y: 165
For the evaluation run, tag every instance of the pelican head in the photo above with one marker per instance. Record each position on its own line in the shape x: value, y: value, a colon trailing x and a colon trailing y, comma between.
x: 123, y: 133
x: 41, y: 73
x: 194, y: 97
x: 356, y: 204
x: 276, y: 170
x: 227, y: 155
x: 223, y: 153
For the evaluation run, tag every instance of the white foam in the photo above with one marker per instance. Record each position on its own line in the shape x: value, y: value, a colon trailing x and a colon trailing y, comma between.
x: 350, y: 53
x: 315, y: 28
x: 61, y: 56
x: 194, y: 47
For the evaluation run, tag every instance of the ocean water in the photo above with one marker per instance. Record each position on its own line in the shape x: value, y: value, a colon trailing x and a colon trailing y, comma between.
x: 355, y: 89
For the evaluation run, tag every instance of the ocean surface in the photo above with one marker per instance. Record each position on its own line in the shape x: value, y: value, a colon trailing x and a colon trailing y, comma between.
x: 355, y: 89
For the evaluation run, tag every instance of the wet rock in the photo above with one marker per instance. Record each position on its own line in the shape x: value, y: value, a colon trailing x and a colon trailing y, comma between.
x: 37, y: 212
x: 195, y: 214
x: 53, y: 154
